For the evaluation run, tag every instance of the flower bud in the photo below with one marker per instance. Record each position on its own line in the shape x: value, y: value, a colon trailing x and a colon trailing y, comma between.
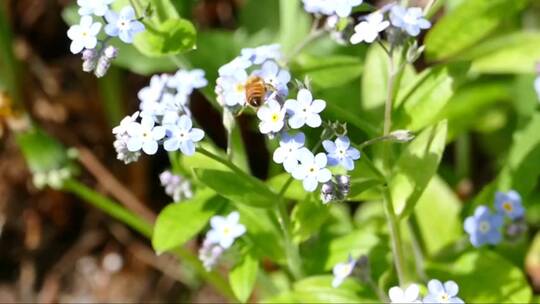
x: 104, y: 62
x: 89, y: 58
x: 343, y: 185
x: 327, y: 192
x: 402, y: 136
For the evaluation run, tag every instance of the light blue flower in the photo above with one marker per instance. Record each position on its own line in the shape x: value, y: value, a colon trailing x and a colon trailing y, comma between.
x: 239, y: 63
x: 186, y: 81
x: 340, y: 152
x: 275, y: 77
x: 225, y: 229
x: 233, y: 89
x: 183, y: 136
x: 439, y: 293
x: 154, y: 91
x: 368, y: 30
x: 144, y: 135
x: 272, y: 117
x: 83, y: 35
x: 411, y: 20
x: 312, y: 170
x: 125, y: 25
x: 262, y: 53
x: 342, y: 8
x: 304, y: 110
x: 342, y: 270
x: 96, y: 7
x: 289, y: 150
x: 484, y: 227
x: 509, y: 204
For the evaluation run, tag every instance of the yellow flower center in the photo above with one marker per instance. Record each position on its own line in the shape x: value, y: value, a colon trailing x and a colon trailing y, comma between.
x: 508, y: 207
x: 445, y: 298
x: 275, y: 117
x: 239, y: 88
x: 226, y: 231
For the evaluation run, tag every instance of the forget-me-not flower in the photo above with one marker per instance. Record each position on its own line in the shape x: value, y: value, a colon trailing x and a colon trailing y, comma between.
x: 225, y: 229
x: 154, y: 91
x: 237, y: 64
x: 411, y: 20
x: 96, y: 7
x: 409, y: 295
x: 312, y: 170
x: 144, y: 135
x: 234, y: 88
x: 186, y: 81
x: 125, y: 123
x: 275, y: 77
x: 343, y: 8
x: 124, y: 25
x: 439, y: 293
x: 262, y: 53
x: 183, y: 136
x: 484, y: 227
x: 342, y: 270
x: 369, y: 30
x: 83, y: 35
x: 289, y: 150
x: 509, y: 204
x: 340, y: 152
x: 272, y: 117
x: 304, y: 110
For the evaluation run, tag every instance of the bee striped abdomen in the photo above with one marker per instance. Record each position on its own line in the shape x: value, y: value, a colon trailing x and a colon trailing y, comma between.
x: 255, y: 91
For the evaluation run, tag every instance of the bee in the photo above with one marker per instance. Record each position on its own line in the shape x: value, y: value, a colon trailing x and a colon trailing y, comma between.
x: 256, y: 90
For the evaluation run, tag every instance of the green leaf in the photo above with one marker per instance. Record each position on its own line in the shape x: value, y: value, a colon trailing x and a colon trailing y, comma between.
x: 329, y: 250
x: 318, y: 289
x: 307, y: 218
x: 180, y: 222
x: 172, y: 37
x: 243, y: 277
x: 323, y: 70
x: 264, y: 232
x: 437, y: 213
x: 484, y: 277
x: 449, y: 38
x: 512, y: 53
x: 424, y: 99
x: 241, y: 189
x: 41, y: 151
x: 521, y: 170
x: 416, y: 166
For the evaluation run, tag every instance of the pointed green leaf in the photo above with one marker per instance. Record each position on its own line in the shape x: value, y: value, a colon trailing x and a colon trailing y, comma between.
x: 416, y: 166
x: 179, y: 222
x: 242, y: 189
x: 243, y: 277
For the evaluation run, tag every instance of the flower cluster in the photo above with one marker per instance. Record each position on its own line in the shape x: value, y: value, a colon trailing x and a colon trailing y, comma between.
x: 225, y: 230
x: 484, y: 227
x: 261, y: 63
x: 96, y: 54
x: 176, y: 186
x: 336, y: 190
x: 437, y: 293
x: 165, y: 118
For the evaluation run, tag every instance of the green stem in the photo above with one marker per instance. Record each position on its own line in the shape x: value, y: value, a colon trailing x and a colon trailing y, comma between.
x: 395, y: 235
x: 108, y: 206
x: 393, y: 223
x: 419, y: 246
x: 9, y: 73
